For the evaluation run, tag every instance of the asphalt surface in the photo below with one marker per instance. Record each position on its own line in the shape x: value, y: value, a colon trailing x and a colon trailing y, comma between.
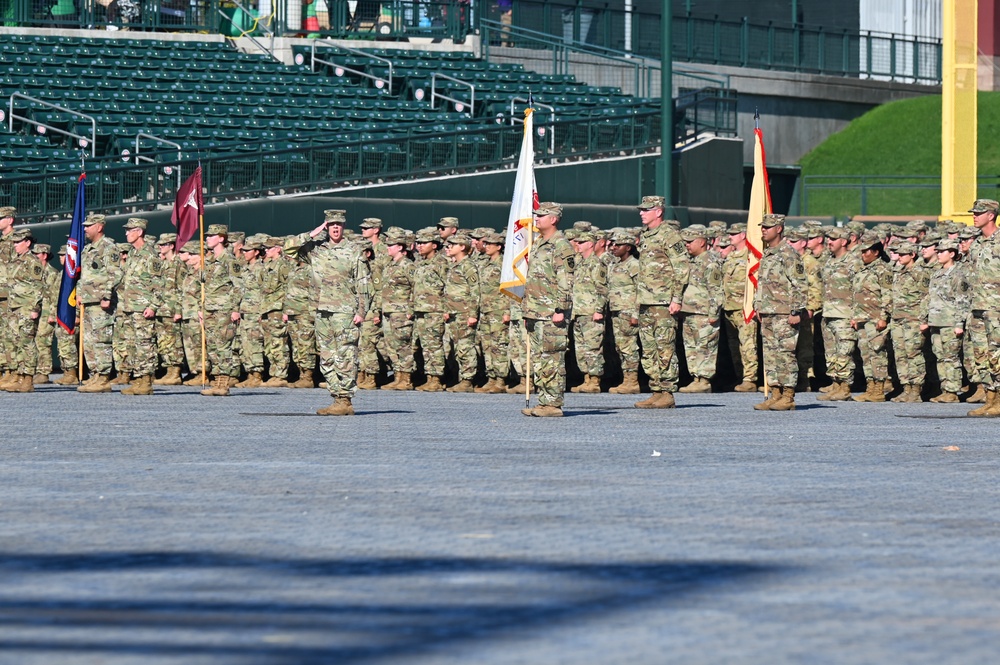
x: 442, y: 528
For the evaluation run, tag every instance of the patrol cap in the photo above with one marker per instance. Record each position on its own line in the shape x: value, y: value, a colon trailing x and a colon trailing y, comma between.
x: 167, y: 239
x: 885, y: 229
x: 448, y: 222
x: 623, y: 237
x: 63, y: 250
x: 480, y: 232
x: 930, y: 239
x: 813, y: 231
x: 274, y: 241
x: 8, y: 211
x: 771, y: 220
x: 967, y: 232
x: 694, y: 232
x: 136, y: 223
x: 217, y: 230
x: 723, y: 241
x: 650, y: 202
x: 857, y: 228
x: 335, y: 216
x: 583, y: 226
x: 812, y: 224
x: 586, y: 236
x: 494, y: 238
x: 429, y: 234
x: 838, y: 233
x: 916, y: 225
x: 549, y: 208
x: 796, y: 233
x: 93, y: 219
x: 410, y: 237
x: 41, y: 248
x: 905, y: 247
x: 717, y: 224
x: 254, y: 242
x: 21, y: 234
x: 572, y: 234
x: 371, y: 223
x: 985, y: 205
x: 948, y: 243
x: 869, y: 240
x: 237, y: 237
x: 459, y: 239
x: 738, y: 227
x: 395, y: 236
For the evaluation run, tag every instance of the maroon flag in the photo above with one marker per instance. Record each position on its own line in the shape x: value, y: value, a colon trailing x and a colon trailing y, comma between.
x: 188, y: 209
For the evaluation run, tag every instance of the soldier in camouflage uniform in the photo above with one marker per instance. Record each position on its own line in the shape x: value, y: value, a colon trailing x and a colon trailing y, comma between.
x: 7, y: 254
x: 740, y: 334
x: 623, y: 293
x: 946, y: 310
x: 975, y: 345
x: 169, y: 345
x: 123, y: 375
x: 517, y: 341
x: 342, y: 282
x: 51, y: 279
x: 428, y: 307
x: 140, y: 296
x: 189, y: 306
x: 840, y: 339
x: 461, y: 309
x: 251, y: 329
x: 299, y: 307
x: 798, y: 239
x: 984, y: 266
x: 24, y: 302
x: 274, y: 281
x: 590, y: 297
x: 663, y: 274
x: 221, y: 311
x: 494, y: 316
x: 780, y: 302
x: 548, y: 301
x: 67, y: 344
x: 909, y: 297
x: 701, y: 305
x: 372, y: 341
x: 397, y: 309
x: 872, y: 286
x: 100, y: 272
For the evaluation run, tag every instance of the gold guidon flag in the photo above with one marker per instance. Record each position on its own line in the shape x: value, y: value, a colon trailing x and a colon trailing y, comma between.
x: 760, y: 205
x: 520, y: 223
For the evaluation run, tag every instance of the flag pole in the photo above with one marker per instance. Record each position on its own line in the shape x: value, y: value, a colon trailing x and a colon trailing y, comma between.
x: 79, y: 330
x: 529, y: 377
x: 201, y: 312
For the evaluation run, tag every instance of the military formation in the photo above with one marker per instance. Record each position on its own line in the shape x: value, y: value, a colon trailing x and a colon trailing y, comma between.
x: 914, y: 309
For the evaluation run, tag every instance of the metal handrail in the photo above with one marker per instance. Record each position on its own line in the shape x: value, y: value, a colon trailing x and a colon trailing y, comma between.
x: 552, y: 111
x: 141, y: 158
x: 339, y: 69
x: 35, y: 100
x: 459, y: 104
x: 243, y: 33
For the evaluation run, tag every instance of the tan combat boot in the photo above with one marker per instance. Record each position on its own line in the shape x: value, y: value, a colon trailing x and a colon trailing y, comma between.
x: 196, y: 380
x: 463, y: 386
x: 366, y: 381
x: 403, y: 381
x: 618, y: 390
x: 21, y: 384
x: 591, y: 386
x: 988, y: 402
x: 276, y: 382
x: 746, y: 387
x: 519, y: 388
x: 41, y: 379
x: 142, y: 385
x: 219, y: 387
x: 994, y: 411
x: 433, y: 385
x: 660, y: 399
x: 873, y: 393
x: 786, y: 402
x: 392, y: 384
x: 255, y: 380
x: 544, y: 411
x: 773, y: 395
x: 666, y: 400
x: 68, y: 378
x: 341, y: 407
x: 171, y: 378
x: 8, y: 379
x: 945, y: 398
x: 915, y: 390
x: 306, y: 380
x: 978, y: 397
x: 100, y: 384
x: 903, y: 396
x: 121, y: 379
x: 699, y: 385
x: 829, y: 391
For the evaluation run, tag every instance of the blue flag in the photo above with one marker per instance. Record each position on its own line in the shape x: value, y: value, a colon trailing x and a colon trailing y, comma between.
x: 66, y: 310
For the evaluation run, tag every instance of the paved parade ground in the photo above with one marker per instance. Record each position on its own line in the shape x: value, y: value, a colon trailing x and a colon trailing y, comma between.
x: 449, y: 528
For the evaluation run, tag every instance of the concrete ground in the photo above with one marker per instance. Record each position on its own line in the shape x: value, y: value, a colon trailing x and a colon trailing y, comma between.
x: 446, y: 528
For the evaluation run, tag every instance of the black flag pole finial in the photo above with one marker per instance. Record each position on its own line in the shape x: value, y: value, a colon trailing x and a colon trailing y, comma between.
x: 756, y: 118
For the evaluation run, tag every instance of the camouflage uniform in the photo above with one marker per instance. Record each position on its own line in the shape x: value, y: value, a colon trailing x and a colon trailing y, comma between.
x: 909, y: 296
x: 461, y: 302
x: 622, y: 302
x: 548, y: 291
x: 985, y: 266
x: 7, y: 255
x: 742, y: 336
x: 805, y: 347
x: 274, y: 280
x: 493, y: 331
x: 51, y: 280
x: 700, y: 307
x: 839, y: 337
x: 872, y: 302
x: 397, y: 312
x: 428, y: 312
x: 372, y: 342
x: 517, y: 338
x: 251, y: 329
x: 141, y: 288
x: 191, y: 328
x: 24, y: 301
x: 663, y: 274
x: 341, y: 281
x: 100, y: 272
x: 782, y: 290
x: 947, y: 308
x: 590, y: 297
x: 299, y: 307
x: 168, y: 331
x: 221, y: 300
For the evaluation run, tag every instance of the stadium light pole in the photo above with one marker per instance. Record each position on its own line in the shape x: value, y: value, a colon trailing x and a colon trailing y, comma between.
x: 664, y: 177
